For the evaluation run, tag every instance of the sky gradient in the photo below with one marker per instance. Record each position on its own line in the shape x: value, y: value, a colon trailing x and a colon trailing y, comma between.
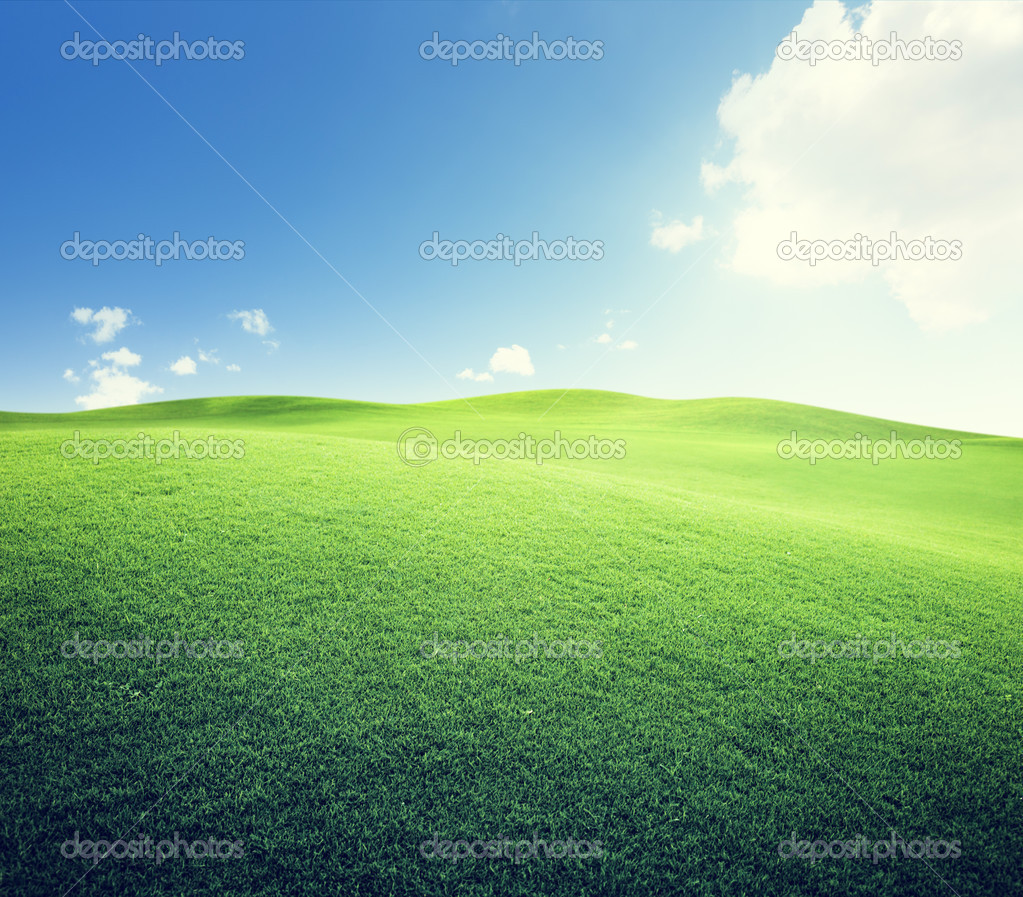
x: 332, y: 150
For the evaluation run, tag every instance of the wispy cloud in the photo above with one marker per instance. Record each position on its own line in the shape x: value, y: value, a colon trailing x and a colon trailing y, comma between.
x: 674, y: 235
x: 253, y: 321
x: 469, y: 374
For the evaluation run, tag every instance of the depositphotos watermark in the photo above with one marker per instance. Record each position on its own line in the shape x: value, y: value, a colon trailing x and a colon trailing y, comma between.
x: 861, y: 447
x: 516, y: 851
x: 417, y: 447
x: 506, y: 49
x: 501, y: 648
x: 145, y: 248
x: 877, y: 649
x: 860, y: 48
x: 158, y: 450
x: 144, y: 48
x: 505, y: 249
x: 145, y: 647
x: 860, y: 848
x: 144, y: 847
x: 862, y: 249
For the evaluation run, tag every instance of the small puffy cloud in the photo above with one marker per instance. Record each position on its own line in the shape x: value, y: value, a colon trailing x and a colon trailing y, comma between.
x: 469, y: 374
x: 513, y: 361
x: 70, y: 376
x: 184, y: 365
x: 273, y: 344
x: 604, y: 338
x: 610, y: 324
x: 254, y: 321
x: 628, y: 344
x: 113, y: 385
x: 123, y: 357
x: 108, y: 322
x: 233, y: 367
x: 674, y: 235
x: 209, y: 357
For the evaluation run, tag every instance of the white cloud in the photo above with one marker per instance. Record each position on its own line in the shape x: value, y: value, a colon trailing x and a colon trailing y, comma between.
x: 674, y: 235
x: 469, y: 374
x: 123, y: 357
x: 610, y: 324
x: 209, y: 357
x: 184, y: 365
x: 108, y: 321
x: 70, y: 376
x: 113, y: 386
x: 922, y: 148
x: 254, y: 321
x: 513, y: 361
x: 604, y: 338
x: 273, y: 344
x: 233, y: 367
x: 628, y: 344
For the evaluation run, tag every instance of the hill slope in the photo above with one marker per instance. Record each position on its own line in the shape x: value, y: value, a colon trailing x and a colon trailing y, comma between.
x: 344, y: 735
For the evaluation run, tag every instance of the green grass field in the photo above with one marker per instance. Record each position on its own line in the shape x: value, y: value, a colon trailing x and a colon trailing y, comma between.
x: 690, y: 745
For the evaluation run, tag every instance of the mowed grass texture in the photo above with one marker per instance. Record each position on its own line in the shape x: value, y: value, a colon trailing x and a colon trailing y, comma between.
x: 329, y: 748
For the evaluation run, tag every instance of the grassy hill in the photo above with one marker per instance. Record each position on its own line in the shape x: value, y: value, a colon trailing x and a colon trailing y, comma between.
x: 690, y: 748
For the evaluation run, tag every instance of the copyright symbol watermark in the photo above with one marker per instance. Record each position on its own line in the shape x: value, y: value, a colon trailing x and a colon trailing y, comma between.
x: 417, y: 447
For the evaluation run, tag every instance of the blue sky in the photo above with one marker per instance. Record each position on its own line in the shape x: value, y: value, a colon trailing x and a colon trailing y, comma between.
x: 689, y: 150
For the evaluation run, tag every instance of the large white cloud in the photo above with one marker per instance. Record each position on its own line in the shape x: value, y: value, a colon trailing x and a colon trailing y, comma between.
x: 922, y: 148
